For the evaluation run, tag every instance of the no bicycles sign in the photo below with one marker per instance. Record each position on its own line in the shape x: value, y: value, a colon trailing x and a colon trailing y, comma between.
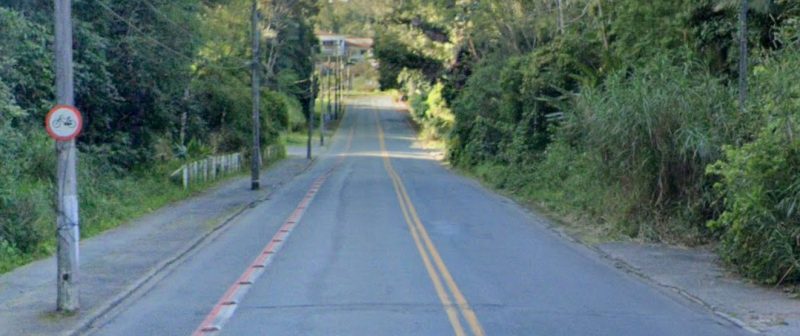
x: 63, y: 123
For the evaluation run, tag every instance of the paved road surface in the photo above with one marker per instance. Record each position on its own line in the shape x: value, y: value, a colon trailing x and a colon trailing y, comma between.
x: 378, y: 239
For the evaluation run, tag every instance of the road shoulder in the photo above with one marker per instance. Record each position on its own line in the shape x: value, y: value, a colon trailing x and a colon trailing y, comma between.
x: 118, y: 262
x: 693, y: 273
x: 697, y: 273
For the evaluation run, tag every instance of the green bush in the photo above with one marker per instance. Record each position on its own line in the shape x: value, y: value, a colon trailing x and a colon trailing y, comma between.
x: 296, y: 119
x: 535, y: 87
x: 438, y: 116
x: 760, y: 181
x: 395, y: 56
x: 427, y: 104
x: 475, y: 137
x: 761, y: 189
x: 26, y: 66
x: 507, y: 110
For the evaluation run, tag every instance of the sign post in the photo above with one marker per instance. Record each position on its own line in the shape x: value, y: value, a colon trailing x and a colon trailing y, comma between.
x: 64, y: 123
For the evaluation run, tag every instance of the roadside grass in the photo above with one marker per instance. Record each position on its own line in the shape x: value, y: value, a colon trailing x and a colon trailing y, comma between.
x: 297, y: 138
x: 558, y: 205
x: 364, y: 93
x: 107, y: 201
x: 426, y: 137
x: 580, y: 205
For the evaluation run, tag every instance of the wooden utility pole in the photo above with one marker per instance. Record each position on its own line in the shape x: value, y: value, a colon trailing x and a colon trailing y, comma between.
x: 67, y: 220
x: 256, y: 156
x: 743, y: 66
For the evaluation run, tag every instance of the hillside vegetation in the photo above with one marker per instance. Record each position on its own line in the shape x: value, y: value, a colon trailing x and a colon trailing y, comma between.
x: 621, y: 114
x: 158, y: 82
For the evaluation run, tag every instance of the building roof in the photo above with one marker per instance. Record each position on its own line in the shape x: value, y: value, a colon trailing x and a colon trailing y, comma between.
x: 360, y: 42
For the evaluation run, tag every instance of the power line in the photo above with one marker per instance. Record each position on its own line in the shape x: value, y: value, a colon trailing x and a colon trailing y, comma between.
x: 177, y: 25
x: 159, y: 43
x: 166, y: 17
x: 278, y: 10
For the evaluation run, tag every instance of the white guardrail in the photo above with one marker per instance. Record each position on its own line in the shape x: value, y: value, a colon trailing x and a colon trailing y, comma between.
x: 214, y: 167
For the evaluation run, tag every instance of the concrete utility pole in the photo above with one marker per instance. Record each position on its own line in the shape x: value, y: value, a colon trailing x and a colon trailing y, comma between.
x: 560, y: 17
x: 349, y: 78
x: 328, y: 69
x: 338, y: 87
x: 322, y: 112
x: 743, y: 56
x: 342, y: 86
x: 67, y: 220
x: 256, y: 159
x: 343, y: 83
x: 311, y: 107
x: 336, y: 101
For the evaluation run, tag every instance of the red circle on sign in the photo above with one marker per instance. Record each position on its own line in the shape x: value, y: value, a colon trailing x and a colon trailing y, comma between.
x: 77, y: 126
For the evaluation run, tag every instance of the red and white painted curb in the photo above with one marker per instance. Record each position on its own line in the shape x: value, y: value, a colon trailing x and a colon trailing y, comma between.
x: 223, y: 310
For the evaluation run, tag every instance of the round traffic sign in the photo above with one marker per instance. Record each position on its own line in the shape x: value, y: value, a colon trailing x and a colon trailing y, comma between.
x: 63, y: 123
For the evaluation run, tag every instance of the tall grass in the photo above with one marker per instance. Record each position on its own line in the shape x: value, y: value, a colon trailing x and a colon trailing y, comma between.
x: 629, y: 155
x: 651, y: 133
x: 108, y: 195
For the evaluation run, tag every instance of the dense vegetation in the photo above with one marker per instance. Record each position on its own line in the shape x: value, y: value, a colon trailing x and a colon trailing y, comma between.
x: 158, y: 82
x: 622, y: 112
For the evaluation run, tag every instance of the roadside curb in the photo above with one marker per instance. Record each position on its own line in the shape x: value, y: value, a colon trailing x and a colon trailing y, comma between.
x: 551, y: 225
x: 632, y: 270
x: 85, y: 324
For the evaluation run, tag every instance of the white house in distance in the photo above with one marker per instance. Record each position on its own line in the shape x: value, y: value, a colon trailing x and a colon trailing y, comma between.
x: 355, y: 49
x: 358, y: 49
x: 331, y: 44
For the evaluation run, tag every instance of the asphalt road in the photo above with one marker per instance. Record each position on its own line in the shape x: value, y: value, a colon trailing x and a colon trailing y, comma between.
x: 379, y: 239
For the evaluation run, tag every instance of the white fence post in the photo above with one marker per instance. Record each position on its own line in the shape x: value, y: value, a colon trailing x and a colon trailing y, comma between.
x: 213, y: 167
x: 205, y: 170
x: 185, y: 176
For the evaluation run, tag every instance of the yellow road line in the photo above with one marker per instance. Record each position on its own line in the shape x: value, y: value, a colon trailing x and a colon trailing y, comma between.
x: 452, y: 313
x: 418, y: 230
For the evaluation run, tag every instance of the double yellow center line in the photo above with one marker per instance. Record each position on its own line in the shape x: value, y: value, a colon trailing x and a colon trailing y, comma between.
x: 436, y: 268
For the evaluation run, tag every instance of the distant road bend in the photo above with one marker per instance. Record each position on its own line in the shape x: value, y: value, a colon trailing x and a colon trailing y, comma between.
x: 377, y: 238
